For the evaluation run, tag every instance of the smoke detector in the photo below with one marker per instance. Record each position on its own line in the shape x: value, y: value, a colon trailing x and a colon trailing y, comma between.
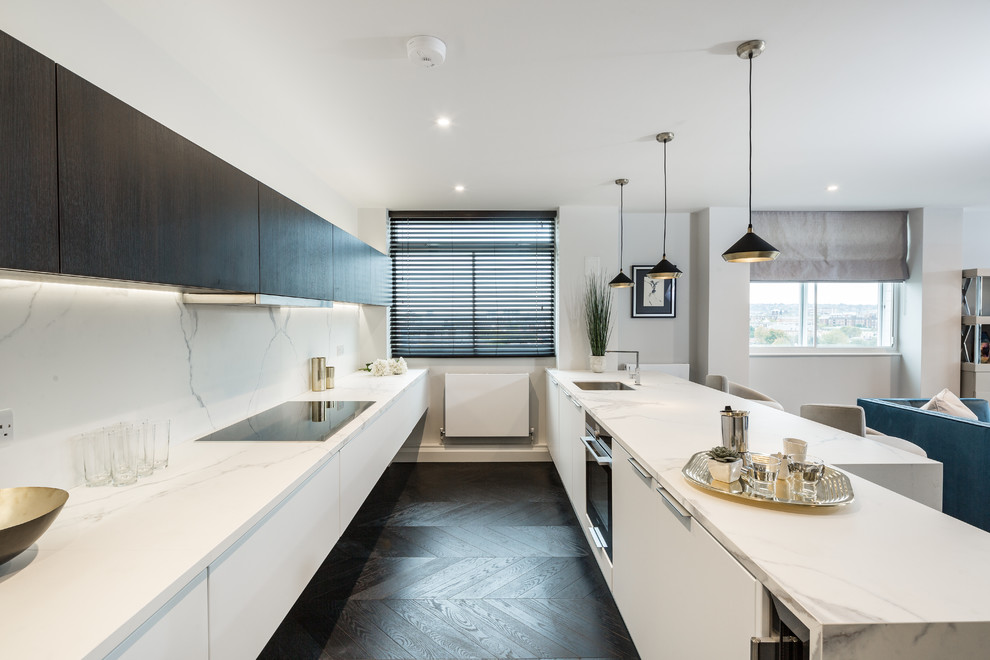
x: 426, y: 51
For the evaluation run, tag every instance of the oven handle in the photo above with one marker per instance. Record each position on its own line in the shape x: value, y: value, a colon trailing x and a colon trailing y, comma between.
x: 597, y: 537
x: 601, y: 460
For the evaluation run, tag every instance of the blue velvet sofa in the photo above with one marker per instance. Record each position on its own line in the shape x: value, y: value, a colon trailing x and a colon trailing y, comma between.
x: 961, y: 445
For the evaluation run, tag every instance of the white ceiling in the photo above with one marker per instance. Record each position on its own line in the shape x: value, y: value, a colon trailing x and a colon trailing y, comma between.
x: 551, y: 100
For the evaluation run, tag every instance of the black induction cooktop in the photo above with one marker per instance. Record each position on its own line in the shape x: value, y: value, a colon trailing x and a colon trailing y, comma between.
x: 292, y: 421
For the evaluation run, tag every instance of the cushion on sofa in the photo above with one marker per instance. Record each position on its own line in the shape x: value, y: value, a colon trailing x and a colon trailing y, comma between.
x: 948, y: 403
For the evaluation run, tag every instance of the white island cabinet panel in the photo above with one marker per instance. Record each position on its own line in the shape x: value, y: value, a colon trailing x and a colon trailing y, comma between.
x: 637, y: 582
x: 177, y: 630
x: 680, y: 592
x: 362, y: 462
x: 254, y: 584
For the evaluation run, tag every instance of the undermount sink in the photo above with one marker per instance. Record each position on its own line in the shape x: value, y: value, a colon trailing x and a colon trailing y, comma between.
x: 601, y: 385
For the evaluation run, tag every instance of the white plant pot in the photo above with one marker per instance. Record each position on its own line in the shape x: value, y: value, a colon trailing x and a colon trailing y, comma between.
x: 727, y: 472
x: 598, y: 363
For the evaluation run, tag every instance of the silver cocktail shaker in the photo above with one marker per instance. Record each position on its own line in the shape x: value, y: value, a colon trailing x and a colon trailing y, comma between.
x: 318, y: 374
x: 735, y: 429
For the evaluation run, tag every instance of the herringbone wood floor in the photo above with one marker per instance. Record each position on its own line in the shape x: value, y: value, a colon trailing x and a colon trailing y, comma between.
x: 458, y: 560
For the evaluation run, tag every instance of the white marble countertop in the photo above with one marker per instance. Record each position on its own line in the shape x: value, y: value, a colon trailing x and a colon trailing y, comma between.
x: 881, y: 577
x: 114, y: 556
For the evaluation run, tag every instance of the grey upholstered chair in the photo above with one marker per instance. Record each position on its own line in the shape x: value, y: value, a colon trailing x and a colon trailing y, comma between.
x: 723, y: 384
x: 852, y: 419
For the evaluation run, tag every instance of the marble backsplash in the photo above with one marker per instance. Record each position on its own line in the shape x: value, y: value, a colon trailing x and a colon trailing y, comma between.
x: 77, y: 357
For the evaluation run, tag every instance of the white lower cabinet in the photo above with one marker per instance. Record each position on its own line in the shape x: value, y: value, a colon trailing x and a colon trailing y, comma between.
x: 680, y: 593
x: 254, y: 583
x: 571, y: 464
x: 364, y: 459
x: 178, y: 630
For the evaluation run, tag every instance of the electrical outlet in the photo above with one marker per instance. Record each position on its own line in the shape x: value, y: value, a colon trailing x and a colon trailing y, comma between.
x: 6, y: 424
x: 340, y: 349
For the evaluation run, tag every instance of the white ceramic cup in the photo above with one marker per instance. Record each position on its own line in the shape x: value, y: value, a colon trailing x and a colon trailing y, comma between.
x: 796, y: 448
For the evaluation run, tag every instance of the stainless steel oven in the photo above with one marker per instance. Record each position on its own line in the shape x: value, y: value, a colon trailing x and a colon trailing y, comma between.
x: 598, y: 482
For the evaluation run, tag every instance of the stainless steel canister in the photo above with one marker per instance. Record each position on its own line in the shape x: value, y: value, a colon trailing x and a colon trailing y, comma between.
x: 329, y: 383
x: 735, y: 429
x: 318, y: 374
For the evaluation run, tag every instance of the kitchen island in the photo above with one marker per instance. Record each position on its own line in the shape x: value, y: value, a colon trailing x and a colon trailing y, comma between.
x: 204, y: 558
x: 882, y: 577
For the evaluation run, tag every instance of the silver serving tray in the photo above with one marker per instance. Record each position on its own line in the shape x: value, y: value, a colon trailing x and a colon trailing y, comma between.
x: 834, y: 488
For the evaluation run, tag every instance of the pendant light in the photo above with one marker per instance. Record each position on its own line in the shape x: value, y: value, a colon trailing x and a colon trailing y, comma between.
x: 750, y: 247
x: 664, y: 270
x: 620, y: 281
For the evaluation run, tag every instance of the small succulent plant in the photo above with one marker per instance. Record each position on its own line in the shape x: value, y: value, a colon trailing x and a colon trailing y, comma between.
x: 723, y: 454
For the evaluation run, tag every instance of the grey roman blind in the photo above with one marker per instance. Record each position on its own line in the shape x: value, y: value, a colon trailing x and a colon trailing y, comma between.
x: 833, y: 246
x: 472, y: 283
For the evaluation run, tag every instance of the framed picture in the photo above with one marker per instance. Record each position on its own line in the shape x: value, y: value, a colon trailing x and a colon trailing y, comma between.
x: 652, y: 298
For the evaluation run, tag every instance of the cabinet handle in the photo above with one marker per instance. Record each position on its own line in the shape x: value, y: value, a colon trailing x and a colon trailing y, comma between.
x: 572, y: 399
x: 672, y: 504
x: 639, y: 468
x: 589, y: 444
x: 554, y: 381
x: 597, y: 537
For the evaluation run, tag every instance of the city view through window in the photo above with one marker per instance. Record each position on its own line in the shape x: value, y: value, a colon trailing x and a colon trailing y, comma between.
x: 821, y: 314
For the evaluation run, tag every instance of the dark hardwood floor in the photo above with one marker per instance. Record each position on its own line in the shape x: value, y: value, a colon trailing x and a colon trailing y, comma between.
x: 458, y: 560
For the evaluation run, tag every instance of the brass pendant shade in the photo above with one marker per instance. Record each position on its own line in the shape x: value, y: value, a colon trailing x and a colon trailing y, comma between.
x: 750, y: 247
x: 664, y: 270
x: 620, y: 281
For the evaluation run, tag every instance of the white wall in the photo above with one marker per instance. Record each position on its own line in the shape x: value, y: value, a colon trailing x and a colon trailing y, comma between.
x: 930, y: 304
x: 976, y: 238
x: 722, y: 319
x: 80, y: 357
x: 796, y: 380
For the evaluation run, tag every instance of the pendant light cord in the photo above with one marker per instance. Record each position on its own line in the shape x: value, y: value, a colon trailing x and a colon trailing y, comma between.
x: 664, y: 200
x: 751, y: 141
x: 621, y: 188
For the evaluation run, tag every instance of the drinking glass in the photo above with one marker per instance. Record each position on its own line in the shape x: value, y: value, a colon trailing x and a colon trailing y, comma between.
x: 145, y: 448
x: 807, y: 472
x: 95, y: 447
x: 160, y: 429
x: 761, y: 471
x: 123, y: 454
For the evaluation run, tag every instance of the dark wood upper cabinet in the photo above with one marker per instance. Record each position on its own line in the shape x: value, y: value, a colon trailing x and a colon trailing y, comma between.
x: 28, y: 166
x: 361, y: 274
x: 296, y: 248
x: 139, y: 202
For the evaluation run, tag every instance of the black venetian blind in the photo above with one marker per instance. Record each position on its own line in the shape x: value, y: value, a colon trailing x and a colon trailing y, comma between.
x: 472, y: 283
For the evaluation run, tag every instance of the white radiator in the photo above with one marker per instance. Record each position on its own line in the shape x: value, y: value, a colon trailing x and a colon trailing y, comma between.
x: 486, y: 405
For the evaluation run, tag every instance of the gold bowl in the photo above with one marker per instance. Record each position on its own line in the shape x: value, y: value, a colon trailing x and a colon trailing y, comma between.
x: 25, y: 514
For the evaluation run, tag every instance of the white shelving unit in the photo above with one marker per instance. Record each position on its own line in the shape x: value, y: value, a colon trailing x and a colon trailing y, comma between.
x: 975, y: 373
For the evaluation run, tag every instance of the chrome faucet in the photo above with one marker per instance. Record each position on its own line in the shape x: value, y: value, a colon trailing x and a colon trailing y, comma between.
x: 635, y: 374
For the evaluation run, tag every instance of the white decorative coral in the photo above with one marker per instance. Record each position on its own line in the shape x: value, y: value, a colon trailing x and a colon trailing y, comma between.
x: 380, y: 367
x: 397, y: 366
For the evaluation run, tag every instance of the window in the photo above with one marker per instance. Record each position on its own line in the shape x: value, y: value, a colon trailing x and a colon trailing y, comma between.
x: 472, y: 284
x: 837, y: 315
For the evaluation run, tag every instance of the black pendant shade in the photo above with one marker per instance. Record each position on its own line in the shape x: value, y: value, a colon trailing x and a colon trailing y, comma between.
x: 664, y: 270
x: 750, y: 247
x: 620, y: 281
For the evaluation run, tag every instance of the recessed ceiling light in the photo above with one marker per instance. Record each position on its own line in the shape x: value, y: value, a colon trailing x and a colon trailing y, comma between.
x: 443, y: 122
x: 832, y: 188
x: 459, y: 188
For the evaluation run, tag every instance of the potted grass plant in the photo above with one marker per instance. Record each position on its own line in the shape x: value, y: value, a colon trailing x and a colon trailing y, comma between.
x: 598, y: 317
